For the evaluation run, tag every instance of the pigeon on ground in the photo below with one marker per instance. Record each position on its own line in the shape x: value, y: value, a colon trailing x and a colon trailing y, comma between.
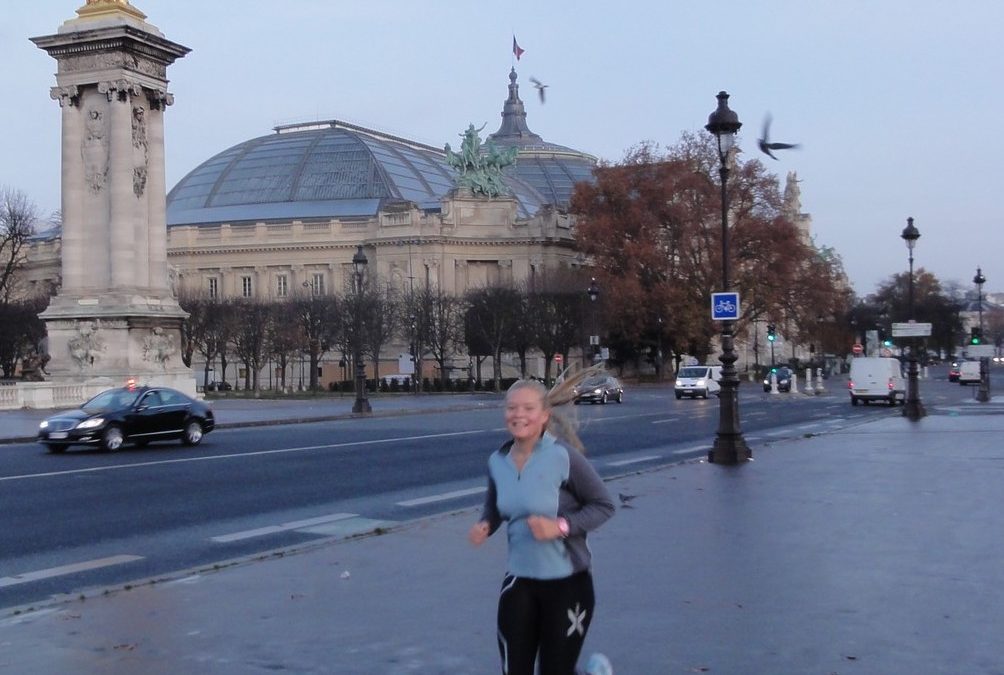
x: 540, y: 87
x: 766, y: 146
x: 625, y: 499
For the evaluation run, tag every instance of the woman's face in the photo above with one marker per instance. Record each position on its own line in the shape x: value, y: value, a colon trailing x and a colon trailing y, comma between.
x: 525, y: 416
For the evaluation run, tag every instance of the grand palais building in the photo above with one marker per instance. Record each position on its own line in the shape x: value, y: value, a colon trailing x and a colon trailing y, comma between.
x: 284, y: 213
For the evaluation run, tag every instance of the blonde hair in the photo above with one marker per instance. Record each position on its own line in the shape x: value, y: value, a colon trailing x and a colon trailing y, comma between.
x: 563, y: 423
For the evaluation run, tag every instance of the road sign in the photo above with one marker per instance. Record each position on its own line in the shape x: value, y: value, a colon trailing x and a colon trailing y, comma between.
x: 857, y: 348
x: 724, y: 306
x: 911, y: 329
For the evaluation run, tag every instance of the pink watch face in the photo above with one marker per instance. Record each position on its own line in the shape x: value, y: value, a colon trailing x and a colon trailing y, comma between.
x: 563, y: 527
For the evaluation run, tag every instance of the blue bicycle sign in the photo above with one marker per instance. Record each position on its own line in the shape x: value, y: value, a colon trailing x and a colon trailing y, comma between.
x: 724, y: 306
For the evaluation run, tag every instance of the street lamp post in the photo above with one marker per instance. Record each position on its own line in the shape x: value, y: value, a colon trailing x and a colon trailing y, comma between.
x: 914, y: 408
x: 730, y: 446
x: 983, y: 390
x: 594, y: 338
x: 362, y: 404
x: 979, y: 280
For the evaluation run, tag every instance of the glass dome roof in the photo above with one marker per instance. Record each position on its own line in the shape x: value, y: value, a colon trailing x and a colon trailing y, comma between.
x: 333, y: 169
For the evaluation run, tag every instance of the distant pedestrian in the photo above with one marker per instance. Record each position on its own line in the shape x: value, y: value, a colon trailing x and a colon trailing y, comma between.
x: 550, y: 496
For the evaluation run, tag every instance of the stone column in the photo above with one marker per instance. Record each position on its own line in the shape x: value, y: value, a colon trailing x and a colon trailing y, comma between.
x: 121, y: 201
x: 157, y: 185
x: 72, y: 177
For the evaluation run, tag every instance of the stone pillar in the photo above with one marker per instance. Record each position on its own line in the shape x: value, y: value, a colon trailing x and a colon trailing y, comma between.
x: 115, y: 316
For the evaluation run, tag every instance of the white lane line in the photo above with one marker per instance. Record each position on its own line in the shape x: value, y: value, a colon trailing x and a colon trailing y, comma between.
x: 665, y: 421
x: 272, y: 529
x: 808, y: 426
x: 277, y: 451
x: 442, y: 497
x: 67, y: 569
x: 637, y: 460
x: 686, y: 451
x: 755, y: 414
x: 779, y: 432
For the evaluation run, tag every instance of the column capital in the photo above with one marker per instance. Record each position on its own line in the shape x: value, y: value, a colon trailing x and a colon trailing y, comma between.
x: 67, y: 96
x: 159, y: 98
x: 121, y: 89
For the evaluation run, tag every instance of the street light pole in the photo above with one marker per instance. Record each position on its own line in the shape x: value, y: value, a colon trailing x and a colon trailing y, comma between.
x: 730, y: 446
x: 983, y: 390
x: 914, y: 408
x: 362, y: 404
x: 594, y: 338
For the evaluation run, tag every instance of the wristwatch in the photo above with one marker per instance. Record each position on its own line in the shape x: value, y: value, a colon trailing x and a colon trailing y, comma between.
x: 563, y: 527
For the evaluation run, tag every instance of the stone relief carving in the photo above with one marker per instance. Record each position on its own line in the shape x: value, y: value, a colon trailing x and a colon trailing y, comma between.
x: 67, y: 96
x: 159, y: 347
x: 94, y: 150
x: 86, y: 345
x: 159, y: 98
x: 139, y: 150
x: 110, y: 61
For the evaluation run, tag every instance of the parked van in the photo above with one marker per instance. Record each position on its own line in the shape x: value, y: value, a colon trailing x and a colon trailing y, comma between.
x: 698, y: 381
x: 969, y: 372
x: 876, y: 378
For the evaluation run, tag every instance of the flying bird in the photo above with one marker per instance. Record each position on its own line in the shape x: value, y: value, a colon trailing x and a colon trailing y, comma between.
x: 540, y: 87
x: 766, y: 146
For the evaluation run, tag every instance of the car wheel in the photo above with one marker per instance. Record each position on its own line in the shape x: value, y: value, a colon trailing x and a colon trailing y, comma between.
x: 576, y: 401
x: 603, y: 398
x: 54, y: 449
x: 112, y: 439
x: 193, y: 433
x: 620, y: 397
x: 704, y: 394
x: 854, y: 400
x: 678, y: 396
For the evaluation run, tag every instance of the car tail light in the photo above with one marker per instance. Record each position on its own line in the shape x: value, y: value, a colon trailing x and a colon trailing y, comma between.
x: 850, y: 384
x: 891, y: 384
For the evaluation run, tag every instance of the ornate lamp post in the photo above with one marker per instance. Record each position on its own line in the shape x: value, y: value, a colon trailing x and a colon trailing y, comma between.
x: 979, y: 280
x: 983, y: 390
x: 914, y: 408
x: 362, y: 405
x: 594, y: 338
x: 730, y: 446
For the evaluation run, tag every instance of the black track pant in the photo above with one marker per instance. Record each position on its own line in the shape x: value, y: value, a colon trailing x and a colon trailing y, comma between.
x: 549, y: 617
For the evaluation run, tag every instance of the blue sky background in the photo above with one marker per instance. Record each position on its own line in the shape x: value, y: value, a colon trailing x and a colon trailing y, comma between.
x: 896, y: 103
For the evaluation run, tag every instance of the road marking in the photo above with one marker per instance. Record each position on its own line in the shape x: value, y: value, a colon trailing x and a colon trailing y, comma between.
x: 754, y: 414
x: 625, y: 462
x: 671, y: 419
x: 778, y: 432
x: 808, y: 426
x: 277, y: 451
x: 272, y: 529
x: 67, y: 569
x: 686, y: 451
x: 442, y: 497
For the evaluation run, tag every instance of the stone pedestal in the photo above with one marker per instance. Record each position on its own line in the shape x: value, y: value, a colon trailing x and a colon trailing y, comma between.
x: 115, y: 315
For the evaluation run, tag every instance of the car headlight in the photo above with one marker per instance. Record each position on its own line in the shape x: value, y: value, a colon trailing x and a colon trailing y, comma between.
x: 43, y: 424
x: 596, y: 391
x: 91, y: 423
x: 679, y: 384
x: 700, y: 383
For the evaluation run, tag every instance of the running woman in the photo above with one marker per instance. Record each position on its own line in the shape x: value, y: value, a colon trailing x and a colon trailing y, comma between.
x: 550, y: 496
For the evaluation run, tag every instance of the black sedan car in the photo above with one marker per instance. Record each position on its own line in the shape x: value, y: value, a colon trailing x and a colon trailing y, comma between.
x: 600, y: 389
x: 783, y: 375
x: 136, y: 415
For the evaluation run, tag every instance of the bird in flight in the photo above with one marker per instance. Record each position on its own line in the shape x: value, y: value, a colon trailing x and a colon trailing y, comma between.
x: 540, y: 87
x: 766, y: 146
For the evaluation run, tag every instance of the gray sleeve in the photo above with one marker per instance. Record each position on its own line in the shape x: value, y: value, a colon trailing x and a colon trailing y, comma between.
x: 490, y: 511
x: 590, y: 505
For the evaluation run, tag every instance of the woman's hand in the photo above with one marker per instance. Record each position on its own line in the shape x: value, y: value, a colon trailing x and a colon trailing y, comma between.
x: 478, y: 533
x: 544, y: 528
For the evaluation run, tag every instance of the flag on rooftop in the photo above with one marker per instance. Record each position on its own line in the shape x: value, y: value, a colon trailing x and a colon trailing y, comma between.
x: 516, y: 49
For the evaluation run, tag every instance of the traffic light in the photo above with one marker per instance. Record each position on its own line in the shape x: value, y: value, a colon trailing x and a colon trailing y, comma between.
x: 883, y: 338
x: 975, y: 336
x: 771, y: 333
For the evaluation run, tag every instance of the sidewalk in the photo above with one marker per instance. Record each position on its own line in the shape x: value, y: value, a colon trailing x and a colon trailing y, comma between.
x: 875, y: 550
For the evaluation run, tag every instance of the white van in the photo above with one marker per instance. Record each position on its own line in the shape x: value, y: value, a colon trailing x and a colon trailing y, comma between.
x: 698, y: 381
x: 969, y: 372
x: 876, y: 378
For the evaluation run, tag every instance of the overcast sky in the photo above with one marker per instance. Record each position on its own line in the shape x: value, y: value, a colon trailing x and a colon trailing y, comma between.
x: 896, y: 103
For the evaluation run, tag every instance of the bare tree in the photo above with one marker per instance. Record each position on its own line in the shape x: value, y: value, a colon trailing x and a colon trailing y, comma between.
x: 249, y: 338
x: 20, y: 332
x: 492, y: 313
x: 446, y: 328
x: 321, y: 321
x: 285, y: 336
x: 18, y: 218
x: 381, y: 320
